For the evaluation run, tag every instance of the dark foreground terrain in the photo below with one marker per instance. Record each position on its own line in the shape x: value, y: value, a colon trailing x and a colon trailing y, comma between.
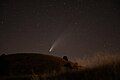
x: 105, y: 72
x: 46, y: 67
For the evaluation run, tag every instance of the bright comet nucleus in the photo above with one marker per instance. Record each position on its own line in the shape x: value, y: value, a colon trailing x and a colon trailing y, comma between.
x: 50, y: 49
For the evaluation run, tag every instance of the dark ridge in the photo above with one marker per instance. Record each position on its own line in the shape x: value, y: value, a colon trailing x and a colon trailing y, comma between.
x: 27, y: 63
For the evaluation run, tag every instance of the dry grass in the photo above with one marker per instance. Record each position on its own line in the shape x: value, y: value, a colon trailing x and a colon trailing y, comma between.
x: 98, y: 59
x: 100, y: 67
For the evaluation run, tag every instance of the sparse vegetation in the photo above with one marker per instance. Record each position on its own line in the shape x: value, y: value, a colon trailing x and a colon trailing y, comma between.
x: 98, y: 59
x: 46, y: 67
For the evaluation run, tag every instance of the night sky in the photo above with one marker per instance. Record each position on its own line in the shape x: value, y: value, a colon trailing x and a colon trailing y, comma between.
x: 74, y: 27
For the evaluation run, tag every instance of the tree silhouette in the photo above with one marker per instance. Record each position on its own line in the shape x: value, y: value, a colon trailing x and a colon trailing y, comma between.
x: 65, y: 58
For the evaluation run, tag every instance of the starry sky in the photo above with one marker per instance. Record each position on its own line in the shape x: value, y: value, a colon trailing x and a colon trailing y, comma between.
x: 74, y: 27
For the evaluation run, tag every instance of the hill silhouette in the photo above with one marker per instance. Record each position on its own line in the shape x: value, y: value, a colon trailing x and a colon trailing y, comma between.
x: 28, y: 63
x: 34, y: 66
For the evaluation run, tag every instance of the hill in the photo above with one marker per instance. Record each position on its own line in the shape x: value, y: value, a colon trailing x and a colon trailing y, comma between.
x: 34, y: 66
x: 29, y: 63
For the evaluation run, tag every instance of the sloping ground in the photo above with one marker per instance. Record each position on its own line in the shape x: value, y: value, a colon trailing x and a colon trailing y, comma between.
x: 22, y: 64
x: 104, y: 72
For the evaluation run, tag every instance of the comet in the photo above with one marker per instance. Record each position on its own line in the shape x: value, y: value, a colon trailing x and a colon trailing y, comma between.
x: 57, y: 41
x: 51, y: 49
x: 54, y: 45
